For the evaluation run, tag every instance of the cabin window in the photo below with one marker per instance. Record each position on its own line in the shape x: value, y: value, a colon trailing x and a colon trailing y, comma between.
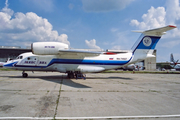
x: 28, y: 58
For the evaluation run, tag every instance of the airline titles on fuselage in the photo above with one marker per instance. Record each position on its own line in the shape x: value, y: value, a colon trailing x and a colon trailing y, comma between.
x: 34, y: 62
x: 121, y: 58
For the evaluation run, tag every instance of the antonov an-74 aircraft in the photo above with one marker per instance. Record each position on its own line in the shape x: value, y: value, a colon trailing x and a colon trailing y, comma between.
x: 174, y: 63
x: 56, y: 56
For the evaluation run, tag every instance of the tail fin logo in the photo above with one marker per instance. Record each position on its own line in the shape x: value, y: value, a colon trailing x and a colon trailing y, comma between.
x: 147, y: 41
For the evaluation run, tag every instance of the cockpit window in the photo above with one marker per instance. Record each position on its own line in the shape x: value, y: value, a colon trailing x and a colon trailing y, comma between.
x: 19, y: 57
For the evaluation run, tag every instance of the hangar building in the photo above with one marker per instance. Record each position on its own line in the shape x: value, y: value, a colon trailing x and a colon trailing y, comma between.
x: 11, y: 52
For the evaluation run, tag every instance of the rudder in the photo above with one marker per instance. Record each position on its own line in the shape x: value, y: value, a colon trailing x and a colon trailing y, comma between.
x: 147, y: 43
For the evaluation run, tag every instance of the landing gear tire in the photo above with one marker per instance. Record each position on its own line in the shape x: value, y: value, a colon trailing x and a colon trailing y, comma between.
x: 80, y: 76
x: 71, y: 75
x: 25, y: 75
x: 77, y: 75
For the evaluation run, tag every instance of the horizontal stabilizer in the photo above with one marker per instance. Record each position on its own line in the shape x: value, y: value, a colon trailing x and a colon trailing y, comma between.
x: 158, y: 31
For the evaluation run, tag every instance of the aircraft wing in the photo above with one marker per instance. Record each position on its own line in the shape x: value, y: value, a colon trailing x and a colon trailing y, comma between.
x: 79, y: 53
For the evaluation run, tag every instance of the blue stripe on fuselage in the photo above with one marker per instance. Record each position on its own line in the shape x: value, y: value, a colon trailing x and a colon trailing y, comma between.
x: 88, y: 62
x: 80, y: 62
x: 9, y: 64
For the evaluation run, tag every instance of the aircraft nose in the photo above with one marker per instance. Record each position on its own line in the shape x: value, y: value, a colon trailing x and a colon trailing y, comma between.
x: 8, y: 64
x: 1, y: 64
x: 4, y: 64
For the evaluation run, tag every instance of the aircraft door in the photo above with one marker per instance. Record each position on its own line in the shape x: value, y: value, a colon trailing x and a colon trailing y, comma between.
x: 36, y: 59
x: 31, y: 61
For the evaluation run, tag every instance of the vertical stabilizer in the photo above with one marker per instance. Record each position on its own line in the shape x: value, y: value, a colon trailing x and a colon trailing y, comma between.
x: 147, y: 41
x: 172, y: 58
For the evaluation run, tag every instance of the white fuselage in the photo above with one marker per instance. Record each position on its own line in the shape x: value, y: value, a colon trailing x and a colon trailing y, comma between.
x: 177, y: 67
x: 65, y: 63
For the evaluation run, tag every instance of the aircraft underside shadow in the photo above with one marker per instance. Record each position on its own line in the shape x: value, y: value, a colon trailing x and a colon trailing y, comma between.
x: 119, y: 78
x: 60, y: 79
x: 63, y: 79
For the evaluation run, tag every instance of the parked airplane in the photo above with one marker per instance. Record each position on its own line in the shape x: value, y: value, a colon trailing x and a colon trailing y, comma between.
x: 129, y: 67
x: 1, y: 64
x: 55, y: 56
x: 174, y: 63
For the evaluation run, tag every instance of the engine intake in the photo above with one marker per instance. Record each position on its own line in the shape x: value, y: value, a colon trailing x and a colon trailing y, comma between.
x: 47, y: 48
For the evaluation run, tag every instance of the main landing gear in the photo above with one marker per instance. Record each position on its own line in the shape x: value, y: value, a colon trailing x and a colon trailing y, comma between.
x: 77, y: 75
x: 25, y: 75
x: 70, y: 74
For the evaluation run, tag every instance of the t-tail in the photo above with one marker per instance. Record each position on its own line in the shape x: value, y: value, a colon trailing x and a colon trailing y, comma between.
x: 173, y: 63
x: 172, y: 58
x: 146, y: 43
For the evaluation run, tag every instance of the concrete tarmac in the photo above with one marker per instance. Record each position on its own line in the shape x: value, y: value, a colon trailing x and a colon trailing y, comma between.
x: 102, y: 95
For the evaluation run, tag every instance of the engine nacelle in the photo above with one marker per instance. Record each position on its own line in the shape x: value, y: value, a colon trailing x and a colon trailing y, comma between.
x: 47, y: 48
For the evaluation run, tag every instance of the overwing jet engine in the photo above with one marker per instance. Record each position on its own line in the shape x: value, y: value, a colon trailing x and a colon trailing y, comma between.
x: 48, y: 48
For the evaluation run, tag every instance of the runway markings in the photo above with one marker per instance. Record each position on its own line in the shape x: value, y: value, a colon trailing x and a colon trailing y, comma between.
x: 105, y: 117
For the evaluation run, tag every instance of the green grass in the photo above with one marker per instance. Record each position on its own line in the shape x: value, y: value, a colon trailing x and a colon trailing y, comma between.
x: 6, y: 69
x: 143, y: 72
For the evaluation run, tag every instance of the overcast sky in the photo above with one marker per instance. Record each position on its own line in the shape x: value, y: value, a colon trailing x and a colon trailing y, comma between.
x: 98, y: 24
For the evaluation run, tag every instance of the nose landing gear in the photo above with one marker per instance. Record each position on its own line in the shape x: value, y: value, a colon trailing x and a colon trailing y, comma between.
x: 25, y: 75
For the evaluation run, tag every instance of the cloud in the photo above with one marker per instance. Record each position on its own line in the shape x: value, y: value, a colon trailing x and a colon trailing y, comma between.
x: 122, y: 39
x: 117, y: 47
x: 114, y: 30
x: 173, y: 17
x: 45, y: 5
x: 7, y: 10
x: 22, y: 29
x: 160, y: 17
x: 92, y: 44
x: 153, y: 19
x: 171, y: 44
x: 104, y: 5
x: 71, y: 6
x: 173, y: 11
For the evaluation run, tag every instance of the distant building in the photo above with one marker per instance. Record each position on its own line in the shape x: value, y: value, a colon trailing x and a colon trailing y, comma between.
x: 150, y: 63
x: 11, y: 52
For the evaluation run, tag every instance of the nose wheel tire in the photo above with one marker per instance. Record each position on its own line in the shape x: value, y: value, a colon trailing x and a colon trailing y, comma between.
x: 25, y: 75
